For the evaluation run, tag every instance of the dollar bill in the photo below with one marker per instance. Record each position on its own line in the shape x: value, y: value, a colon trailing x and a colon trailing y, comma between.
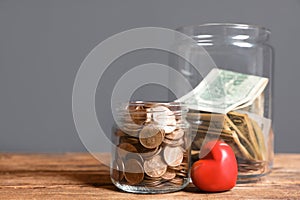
x: 243, y: 123
x: 261, y: 126
x: 256, y: 106
x: 222, y: 91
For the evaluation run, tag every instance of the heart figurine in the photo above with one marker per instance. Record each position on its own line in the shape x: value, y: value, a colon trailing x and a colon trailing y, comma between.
x: 217, y: 171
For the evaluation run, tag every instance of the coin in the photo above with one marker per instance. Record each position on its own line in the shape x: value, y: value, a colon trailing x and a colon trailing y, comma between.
x: 135, y: 156
x: 177, y: 180
x: 151, y: 136
x: 148, y: 153
x: 124, y: 148
x: 164, y: 117
x: 134, y: 173
x: 175, y: 135
x: 131, y: 129
x: 120, y: 133
x: 155, y: 167
x: 138, y: 113
x: 121, y: 169
x: 118, y: 170
x: 169, y: 174
x: 151, y: 183
x: 129, y: 139
x: 173, y: 155
x: 148, y: 178
x: 115, y: 171
x: 181, y: 174
x: 173, y: 142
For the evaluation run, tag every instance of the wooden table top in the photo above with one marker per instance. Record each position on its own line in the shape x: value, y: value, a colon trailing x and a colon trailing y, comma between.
x: 80, y: 176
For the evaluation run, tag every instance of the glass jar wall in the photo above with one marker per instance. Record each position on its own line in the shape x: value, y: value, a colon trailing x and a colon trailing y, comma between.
x: 239, y: 51
x: 151, y: 151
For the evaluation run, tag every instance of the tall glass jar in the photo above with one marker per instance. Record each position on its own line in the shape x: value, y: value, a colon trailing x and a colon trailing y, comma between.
x: 151, y: 151
x: 238, y: 50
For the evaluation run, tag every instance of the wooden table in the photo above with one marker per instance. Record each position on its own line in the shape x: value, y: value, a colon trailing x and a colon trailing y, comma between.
x: 80, y: 176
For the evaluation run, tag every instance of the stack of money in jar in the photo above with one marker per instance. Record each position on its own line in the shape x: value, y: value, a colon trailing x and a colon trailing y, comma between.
x: 230, y: 106
x: 152, y: 149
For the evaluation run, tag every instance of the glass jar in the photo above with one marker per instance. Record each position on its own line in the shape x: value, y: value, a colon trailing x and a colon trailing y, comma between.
x: 242, y: 55
x: 151, y: 151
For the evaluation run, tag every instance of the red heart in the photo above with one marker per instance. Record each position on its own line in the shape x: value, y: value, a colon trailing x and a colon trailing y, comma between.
x: 217, y: 171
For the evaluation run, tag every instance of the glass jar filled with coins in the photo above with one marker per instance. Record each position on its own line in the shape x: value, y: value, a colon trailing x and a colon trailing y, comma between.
x: 151, y: 151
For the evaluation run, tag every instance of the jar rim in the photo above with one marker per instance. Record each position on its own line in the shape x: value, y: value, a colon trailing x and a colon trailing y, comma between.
x: 227, y: 25
x: 175, y: 106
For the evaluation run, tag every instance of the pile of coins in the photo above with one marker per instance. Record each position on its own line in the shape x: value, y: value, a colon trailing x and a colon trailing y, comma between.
x: 238, y: 130
x: 152, y: 146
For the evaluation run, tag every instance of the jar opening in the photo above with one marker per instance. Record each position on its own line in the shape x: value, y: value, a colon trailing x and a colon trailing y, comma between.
x: 211, y: 31
x: 160, y: 107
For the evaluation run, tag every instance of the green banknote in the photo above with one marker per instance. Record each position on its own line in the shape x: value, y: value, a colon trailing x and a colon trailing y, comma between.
x: 222, y: 91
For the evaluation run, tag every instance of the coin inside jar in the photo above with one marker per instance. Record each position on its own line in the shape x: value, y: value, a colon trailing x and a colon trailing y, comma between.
x: 155, y: 167
x: 169, y: 175
x: 173, y: 155
x: 118, y: 170
x: 151, y: 136
x: 131, y: 129
x: 138, y: 114
x: 164, y: 117
x: 124, y: 148
x: 175, y: 135
x: 148, y: 153
x: 135, y: 156
x: 173, y: 142
x: 134, y: 173
x: 115, y: 171
x: 129, y: 139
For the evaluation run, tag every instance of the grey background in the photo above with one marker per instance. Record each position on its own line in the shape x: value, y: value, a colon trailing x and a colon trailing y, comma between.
x: 42, y: 44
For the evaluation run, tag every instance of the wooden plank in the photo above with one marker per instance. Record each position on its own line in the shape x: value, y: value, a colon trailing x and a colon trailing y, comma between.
x: 80, y: 176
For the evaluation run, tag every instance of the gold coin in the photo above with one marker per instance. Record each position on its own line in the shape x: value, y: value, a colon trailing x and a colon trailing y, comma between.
x: 173, y: 155
x: 151, y: 136
x: 124, y: 148
x: 134, y: 173
x: 175, y: 135
x: 155, y: 167
x: 170, y: 174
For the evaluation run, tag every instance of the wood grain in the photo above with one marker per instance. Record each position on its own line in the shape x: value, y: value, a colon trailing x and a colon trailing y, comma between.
x: 80, y: 176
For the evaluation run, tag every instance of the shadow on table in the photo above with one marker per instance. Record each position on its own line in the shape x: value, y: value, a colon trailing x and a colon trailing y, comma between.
x: 96, y: 179
x: 92, y: 178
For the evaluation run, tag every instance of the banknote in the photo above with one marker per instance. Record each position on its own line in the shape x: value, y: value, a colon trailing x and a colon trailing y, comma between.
x: 256, y: 107
x: 222, y: 91
x: 247, y: 133
x: 264, y: 124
